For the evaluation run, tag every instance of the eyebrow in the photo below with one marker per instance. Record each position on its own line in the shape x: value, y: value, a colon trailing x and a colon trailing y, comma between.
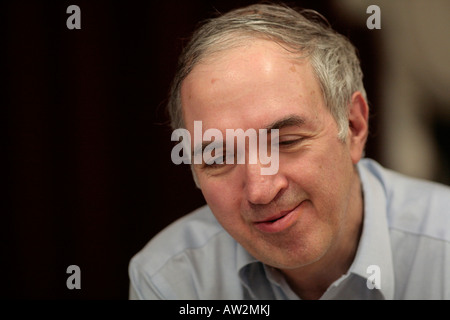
x: 288, y: 121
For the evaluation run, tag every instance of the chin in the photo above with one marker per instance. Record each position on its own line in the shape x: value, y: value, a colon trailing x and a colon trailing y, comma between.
x: 292, y: 257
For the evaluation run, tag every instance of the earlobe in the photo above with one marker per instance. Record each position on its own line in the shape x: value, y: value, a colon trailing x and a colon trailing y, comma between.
x: 358, y: 125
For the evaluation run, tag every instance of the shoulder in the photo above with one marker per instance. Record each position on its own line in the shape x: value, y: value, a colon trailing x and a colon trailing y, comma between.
x: 414, y: 205
x: 418, y: 216
x: 180, y: 261
x: 191, y: 231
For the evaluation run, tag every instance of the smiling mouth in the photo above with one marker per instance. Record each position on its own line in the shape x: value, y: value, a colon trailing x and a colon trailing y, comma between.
x: 276, y: 217
x: 279, y: 222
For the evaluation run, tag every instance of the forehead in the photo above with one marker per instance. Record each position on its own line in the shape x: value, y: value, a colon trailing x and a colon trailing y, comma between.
x: 250, y: 86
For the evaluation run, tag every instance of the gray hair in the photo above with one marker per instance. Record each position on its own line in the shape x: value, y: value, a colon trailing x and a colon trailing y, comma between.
x: 303, y: 32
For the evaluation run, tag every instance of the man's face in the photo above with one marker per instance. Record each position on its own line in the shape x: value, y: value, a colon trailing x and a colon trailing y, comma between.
x: 294, y: 217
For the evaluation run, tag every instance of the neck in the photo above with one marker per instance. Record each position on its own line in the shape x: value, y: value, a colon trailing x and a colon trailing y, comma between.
x: 311, y: 281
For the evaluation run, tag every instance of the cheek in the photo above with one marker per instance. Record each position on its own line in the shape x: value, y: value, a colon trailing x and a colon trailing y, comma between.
x: 323, y: 173
x: 332, y: 189
x: 223, y: 199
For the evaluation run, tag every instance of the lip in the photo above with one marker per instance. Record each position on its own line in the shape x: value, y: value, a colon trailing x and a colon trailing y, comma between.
x: 279, y: 222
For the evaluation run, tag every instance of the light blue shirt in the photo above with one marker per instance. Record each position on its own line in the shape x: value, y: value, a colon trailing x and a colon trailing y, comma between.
x: 406, y: 235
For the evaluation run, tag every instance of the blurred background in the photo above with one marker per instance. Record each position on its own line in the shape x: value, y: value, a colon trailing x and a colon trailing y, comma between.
x: 88, y: 175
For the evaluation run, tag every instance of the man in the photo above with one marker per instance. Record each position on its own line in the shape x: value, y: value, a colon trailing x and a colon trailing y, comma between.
x: 327, y: 224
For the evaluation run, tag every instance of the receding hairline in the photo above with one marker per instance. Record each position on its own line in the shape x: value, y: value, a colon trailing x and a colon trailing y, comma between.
x: 301, y: 31
x: 235, y: 39
x: 209, y: 58
x: 217, y: 55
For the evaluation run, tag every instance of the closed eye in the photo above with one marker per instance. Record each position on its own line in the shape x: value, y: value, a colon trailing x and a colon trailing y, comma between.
x: 217, y: 161
x: 290, y: 142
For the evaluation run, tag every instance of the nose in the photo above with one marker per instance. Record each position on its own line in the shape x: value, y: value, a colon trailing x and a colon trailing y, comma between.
x: 262, y: 189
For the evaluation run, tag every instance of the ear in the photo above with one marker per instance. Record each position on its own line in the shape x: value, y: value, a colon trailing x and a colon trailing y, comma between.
x: 359, y: 126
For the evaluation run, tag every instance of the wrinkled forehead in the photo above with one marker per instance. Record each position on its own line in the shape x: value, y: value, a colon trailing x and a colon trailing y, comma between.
x: 248, y: 83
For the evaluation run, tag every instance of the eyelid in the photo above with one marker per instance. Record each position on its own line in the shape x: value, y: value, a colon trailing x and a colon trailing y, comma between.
x: 290, y: 138
x: 289, y: 142
x: 213, y: 163
x: 214, y: 169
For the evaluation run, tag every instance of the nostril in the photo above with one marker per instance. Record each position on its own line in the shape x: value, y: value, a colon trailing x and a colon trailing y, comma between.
x: 262, y: 189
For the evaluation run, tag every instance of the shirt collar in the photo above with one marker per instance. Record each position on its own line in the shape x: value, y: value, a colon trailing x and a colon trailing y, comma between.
x: 252, y: 275
x: 374, y: 247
